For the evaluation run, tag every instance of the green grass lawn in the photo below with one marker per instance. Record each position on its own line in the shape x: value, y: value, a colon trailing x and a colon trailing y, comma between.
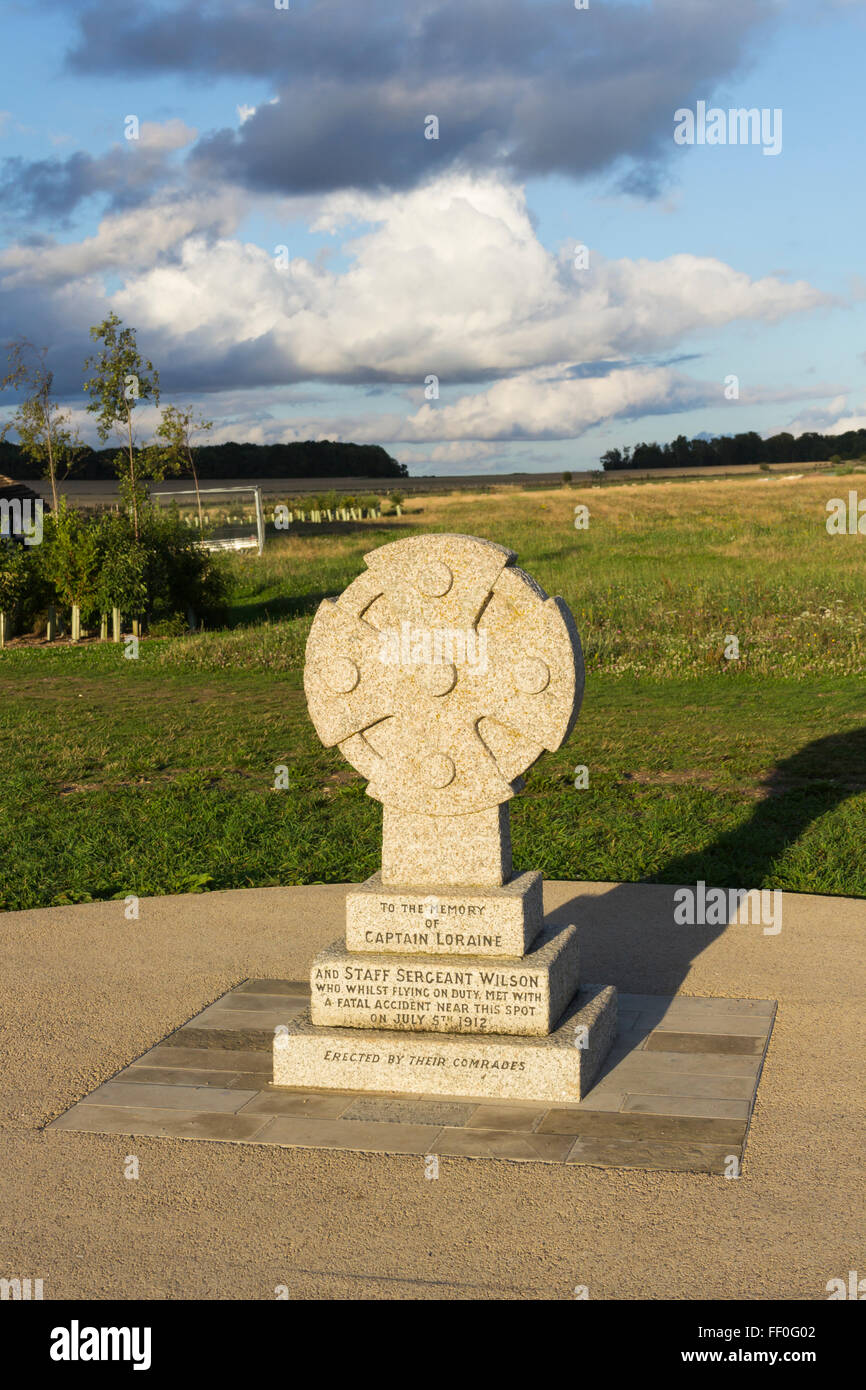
x: 157, y: 775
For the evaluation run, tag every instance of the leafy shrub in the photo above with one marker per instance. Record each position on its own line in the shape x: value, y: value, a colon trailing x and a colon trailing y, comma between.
x: 17, y: 568
x: 326, y: 501
x: 178, y: 573
x: 97, y: 562
x: 69, y: 557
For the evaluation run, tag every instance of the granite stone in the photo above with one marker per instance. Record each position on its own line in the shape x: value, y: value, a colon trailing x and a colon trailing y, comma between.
x: 442, y: 673
x: 491, y: 921
x: 560, y: 1067
x: 463, y: 994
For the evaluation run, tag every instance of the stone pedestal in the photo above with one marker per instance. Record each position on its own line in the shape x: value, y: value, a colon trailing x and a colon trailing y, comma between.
x: 488, y: 921
x: 430, y: 1008
x: 558, y: 1067
x: 459, y: 994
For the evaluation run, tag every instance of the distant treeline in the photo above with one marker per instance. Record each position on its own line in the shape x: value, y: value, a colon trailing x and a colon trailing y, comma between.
x: 313, y: 459
x: 729, y: 450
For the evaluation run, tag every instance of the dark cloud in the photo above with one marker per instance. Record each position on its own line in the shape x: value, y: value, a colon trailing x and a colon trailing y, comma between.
x: 62, y: 328
x: 527, y: 87
x: 214, y: 38
x: 51, y: 189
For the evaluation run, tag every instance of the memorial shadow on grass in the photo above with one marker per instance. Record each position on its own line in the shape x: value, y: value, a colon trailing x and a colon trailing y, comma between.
x: 630, y: 938
x: 273, y: 609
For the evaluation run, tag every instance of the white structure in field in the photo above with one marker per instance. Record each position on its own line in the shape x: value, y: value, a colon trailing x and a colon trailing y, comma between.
x: 233, y: 531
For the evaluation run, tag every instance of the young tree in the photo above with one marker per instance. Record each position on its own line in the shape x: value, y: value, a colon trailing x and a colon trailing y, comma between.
x: 122, y: 576
x: 177, y: 428
x: 42, y: 427
x: 71, y: 561
x: 16, y: 563
x: 121, y: 379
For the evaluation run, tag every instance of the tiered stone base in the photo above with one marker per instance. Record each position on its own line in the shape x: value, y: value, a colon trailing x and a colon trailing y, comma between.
x: 558, y: 1067
x: 445, y: 920
x: 448, y: 990
x: 447, y: 994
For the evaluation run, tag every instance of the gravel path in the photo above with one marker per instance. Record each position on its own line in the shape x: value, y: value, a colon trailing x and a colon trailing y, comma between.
x: 85, y: 991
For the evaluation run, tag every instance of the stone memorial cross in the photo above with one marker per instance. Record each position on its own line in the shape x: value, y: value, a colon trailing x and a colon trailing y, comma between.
x: 442, y: 673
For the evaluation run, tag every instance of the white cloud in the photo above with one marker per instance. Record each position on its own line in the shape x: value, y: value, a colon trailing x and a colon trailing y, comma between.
x: 848, y: 422
x: 452, y: 454
x: 452, y: 280
x: 245, y: 112
x: 543, y: 404
x: 166, y: 135
x: 124, y: 241
x: 548, y: 404
x: 828, y: 419
x: 449, y: 279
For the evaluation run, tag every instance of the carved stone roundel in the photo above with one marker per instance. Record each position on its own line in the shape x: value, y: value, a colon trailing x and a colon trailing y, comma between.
x: 442, y: 672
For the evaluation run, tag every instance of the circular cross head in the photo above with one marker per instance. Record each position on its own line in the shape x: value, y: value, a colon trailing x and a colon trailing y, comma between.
x: 442, y: 673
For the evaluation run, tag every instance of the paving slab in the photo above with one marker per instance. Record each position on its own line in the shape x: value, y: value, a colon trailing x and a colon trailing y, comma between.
x: 162, y: 1097
x: 667, y: 1040
x: 517, y: 1145
x: 414, y: 1111
x: 682, y: 1091
x: 641, y: 1153
x: 523, y: 1117
x: 319, y: 1107
x: 348, y: 1134
x: 83, y: 993
x: 163, y: 1123
x: 595, y: 1124
x: 212, y: 1058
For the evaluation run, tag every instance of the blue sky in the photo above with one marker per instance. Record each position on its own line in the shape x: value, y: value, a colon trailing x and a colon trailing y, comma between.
x: 453, y: 258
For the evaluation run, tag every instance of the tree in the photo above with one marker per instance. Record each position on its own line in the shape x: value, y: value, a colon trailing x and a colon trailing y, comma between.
x: 70, y: 560
x: 177, y: 429
x: 121, y: 582
x: 179, y: 573
x: 42, y: 427
x: 122, y: 378
x: 616, y: 458
x: 16, y: 564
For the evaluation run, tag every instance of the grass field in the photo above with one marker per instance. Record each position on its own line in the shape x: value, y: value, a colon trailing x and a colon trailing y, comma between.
x: 157, y: 775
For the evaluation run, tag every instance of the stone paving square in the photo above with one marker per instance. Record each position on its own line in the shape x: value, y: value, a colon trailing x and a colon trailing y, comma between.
x: 676, y: 1092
